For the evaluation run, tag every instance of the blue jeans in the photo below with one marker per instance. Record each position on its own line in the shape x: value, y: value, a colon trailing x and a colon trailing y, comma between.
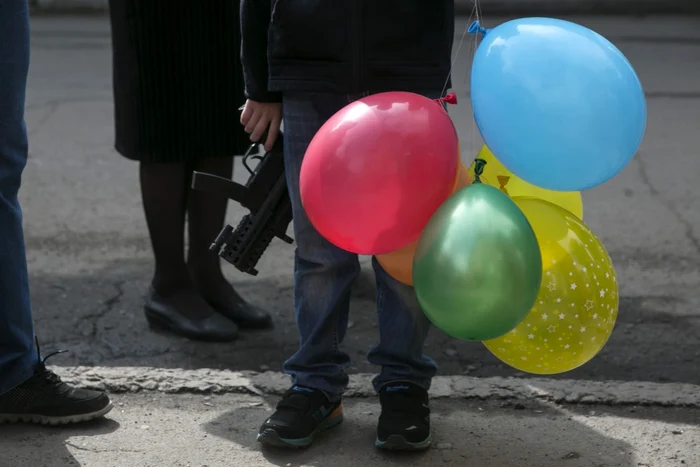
x: 18, y: 359
x: 323, y: 277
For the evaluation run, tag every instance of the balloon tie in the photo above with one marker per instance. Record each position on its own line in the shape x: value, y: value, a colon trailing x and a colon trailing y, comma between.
x: 503, y: 181
x: 477, y: 28
x: 479, y: 165
x: 450, y: 98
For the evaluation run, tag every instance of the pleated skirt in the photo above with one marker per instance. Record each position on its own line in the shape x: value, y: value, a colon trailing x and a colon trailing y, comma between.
x: 177, y: 79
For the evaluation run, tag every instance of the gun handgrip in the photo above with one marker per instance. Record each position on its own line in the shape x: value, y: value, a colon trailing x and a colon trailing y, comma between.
x: 214, y: 184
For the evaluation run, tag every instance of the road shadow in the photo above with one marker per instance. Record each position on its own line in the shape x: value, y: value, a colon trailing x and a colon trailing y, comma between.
x: 464, y: 434
x: 41, y: 446
x: 98, y: 316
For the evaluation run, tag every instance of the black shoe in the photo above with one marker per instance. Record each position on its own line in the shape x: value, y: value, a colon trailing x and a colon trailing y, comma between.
x: 45, y: 399
x: 300, y: 416
x: 404, y: 424
x: 162, y: 313
x: 244, y: 314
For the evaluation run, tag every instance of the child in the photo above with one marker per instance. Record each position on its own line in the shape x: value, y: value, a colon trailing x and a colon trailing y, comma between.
x: 303, y: 60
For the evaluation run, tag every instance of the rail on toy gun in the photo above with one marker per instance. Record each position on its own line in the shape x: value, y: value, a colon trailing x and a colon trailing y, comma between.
x: 265, y: 196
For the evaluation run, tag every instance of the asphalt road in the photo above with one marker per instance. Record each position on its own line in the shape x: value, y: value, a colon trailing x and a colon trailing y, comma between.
x: 220, y: 431
x: 90, y: 256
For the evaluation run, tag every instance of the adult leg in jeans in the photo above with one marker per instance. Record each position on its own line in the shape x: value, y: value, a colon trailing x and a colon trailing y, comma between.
x: 29, y: 391
x: 18, y: 359
x: 323, y: 273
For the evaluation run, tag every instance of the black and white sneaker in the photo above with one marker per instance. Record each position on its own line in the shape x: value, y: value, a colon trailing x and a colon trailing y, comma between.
x: 47, y: 400
x: 404, y: 424
x: 300, y: 416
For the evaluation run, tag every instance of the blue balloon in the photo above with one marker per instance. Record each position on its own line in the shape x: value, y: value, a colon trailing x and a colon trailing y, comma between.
x: 558, y: 104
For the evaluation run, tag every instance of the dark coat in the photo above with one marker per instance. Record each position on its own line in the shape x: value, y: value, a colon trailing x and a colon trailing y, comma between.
x: 177, y: 80
x: 345, y: 46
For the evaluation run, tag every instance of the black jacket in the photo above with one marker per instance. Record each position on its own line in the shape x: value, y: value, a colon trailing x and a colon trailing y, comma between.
x: 345, y: 46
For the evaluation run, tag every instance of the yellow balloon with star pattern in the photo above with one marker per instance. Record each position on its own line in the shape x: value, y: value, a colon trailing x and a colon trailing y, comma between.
x: 577, y: 305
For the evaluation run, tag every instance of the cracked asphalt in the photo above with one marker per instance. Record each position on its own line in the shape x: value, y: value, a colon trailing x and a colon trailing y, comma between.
x: 90, y: 255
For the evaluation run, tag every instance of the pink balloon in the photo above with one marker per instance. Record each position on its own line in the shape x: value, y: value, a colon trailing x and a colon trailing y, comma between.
x: 377, y: 170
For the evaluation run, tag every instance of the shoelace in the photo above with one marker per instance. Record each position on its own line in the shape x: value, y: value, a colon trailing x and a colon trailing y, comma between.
x: 300, y: 401
x: 46, y: 376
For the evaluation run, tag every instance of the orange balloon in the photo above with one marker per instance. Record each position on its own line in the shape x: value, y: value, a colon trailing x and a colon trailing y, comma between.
x: 463, y: 179
x: 399, y: 264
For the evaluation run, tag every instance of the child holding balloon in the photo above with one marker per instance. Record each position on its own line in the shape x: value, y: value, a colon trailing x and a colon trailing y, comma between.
x: 303, y: 62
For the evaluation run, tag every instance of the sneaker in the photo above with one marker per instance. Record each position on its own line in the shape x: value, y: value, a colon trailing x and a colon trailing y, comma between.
x: 300, y: 416
x: 47, y: 400
x: 404, y: 424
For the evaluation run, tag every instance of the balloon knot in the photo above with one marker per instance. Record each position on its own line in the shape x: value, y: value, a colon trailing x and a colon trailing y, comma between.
x: 476, y: 28
x: 503, y: 181
x: 479, y: 165
x: 451, y: 99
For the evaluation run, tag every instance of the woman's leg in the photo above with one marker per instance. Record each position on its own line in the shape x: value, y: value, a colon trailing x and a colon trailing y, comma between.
x: 164, y: 188
x: 206, y: 214
x: 164, y: 199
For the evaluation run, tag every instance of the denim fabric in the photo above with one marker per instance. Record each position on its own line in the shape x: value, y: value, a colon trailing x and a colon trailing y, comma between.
x: 17, y: 355
x: 323, y: 277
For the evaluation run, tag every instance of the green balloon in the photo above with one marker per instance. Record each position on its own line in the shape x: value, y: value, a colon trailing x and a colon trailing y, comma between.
x: 478, y: 267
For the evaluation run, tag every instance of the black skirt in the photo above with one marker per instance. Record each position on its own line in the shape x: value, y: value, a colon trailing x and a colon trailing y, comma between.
x: 177, y: 79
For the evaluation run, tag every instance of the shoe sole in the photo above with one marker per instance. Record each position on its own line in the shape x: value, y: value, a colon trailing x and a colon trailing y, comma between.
x: 399, y: 443
x: 269, y: 437
x: 263, y: 325
x: 267, y: 326
x: 157, y: 323
x: 54, y: 421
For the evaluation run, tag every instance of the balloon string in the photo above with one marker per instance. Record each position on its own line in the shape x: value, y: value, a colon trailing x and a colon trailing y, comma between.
x: 474, y: 46
x: 474, y: 28
x: 479, y: 165
x: 456, y: 54
x: 477, y: 5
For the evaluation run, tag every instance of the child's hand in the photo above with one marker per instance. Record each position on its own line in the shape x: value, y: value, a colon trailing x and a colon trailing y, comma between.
x: 258, y: 116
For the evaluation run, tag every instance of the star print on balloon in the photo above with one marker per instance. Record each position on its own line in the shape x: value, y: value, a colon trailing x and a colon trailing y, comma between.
x: 576, y: 308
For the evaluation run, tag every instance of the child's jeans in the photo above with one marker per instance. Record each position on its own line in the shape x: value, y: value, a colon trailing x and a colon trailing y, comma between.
x: 323, y: 277
x: 18, y: 358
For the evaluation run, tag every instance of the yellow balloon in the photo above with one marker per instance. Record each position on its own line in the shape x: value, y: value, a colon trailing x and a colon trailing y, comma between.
x: 577, y: 305
x: 495, y: 174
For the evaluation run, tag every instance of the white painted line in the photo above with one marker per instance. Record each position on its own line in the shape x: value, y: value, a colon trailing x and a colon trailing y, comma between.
x: 134, y: 379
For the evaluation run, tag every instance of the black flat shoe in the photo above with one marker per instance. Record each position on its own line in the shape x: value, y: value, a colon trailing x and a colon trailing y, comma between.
x: 162, y: 313
x: 244, y: 314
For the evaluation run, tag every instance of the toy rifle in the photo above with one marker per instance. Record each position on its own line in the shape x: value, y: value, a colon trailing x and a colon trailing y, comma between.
x: 264, y: 195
